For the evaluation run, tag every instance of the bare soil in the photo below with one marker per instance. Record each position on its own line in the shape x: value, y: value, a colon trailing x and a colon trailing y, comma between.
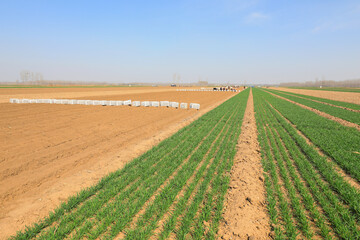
x: 350, y: 97
x: 246, y: 215
x: 50, y: 152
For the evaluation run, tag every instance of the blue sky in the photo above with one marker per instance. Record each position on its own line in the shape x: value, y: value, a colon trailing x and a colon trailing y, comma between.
x: 233, y: 41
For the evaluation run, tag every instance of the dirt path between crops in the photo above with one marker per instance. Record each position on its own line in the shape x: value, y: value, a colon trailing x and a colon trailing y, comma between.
x: 350, y: 97
x: 50, y: 152
x: 325, y: 115
x: 246, y: 215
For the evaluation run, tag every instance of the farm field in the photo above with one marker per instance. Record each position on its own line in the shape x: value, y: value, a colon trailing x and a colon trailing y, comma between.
x: 187, y: 175
x: 350, y: 97
x: 311, y: 171
x: 50, y: 152
x: 257, y: 166
x: 351, y: 115
x: 337, y: 89
x: 77, y: 92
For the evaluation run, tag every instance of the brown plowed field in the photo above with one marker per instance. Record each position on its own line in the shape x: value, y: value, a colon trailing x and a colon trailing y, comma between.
x: 49, y: 152
x: 350, y: 97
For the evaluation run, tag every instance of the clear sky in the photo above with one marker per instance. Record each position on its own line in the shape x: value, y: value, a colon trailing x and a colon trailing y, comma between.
x: 148, y: 41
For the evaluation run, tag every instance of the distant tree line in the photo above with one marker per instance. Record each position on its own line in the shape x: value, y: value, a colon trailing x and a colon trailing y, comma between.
x: 324, y: 83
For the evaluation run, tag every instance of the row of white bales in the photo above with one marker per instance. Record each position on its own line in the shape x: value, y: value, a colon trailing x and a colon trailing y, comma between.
x: 109, y: 103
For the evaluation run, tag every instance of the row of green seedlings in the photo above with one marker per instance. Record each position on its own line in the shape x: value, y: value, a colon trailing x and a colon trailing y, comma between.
x: 116, y: 198
x: 347, y: 115
x: 311, y: 183
x: 335, y: 89
x: 338, y: 142
x: 348, y: 105
x: 186, y: 206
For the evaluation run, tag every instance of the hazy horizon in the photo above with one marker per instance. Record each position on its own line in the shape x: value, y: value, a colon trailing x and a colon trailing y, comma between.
x: 149, y: 41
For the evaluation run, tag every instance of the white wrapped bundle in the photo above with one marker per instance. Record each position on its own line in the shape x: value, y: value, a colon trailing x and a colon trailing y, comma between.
x: 25, y: 101
x: 183, y: 105
x: 33, y: 101
x: 127, y: 102
x: 135, y: 104
x: 174, y: 104
x: 119, y: 103
x: 145, y: 103
x: 105, y: 103
x: 154, y: 103
x: 73, y: 101
x: 195, y: 106
x: 164, y: 103
x: 112, y: 103
x: 96, y: 102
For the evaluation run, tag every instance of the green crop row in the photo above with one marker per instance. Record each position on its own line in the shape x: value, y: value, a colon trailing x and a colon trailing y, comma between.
x: 340, y: 143
x: 350, y: 116
x: 336, y: 89
x: 324, y: 100
x: 133, y: 200
x: 302, y: 186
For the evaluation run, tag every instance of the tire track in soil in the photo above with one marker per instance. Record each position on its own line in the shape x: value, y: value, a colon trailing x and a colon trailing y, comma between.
x: 245, y: 214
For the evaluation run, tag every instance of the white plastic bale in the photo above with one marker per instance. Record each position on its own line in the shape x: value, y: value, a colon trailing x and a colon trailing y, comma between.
x: 183, y: 105
x: 25, y: 100
x: 145, y: 103
x: 96, y: 102
x: 64, y: 101
x: 164, y: 103
x: 174, y: 104
x: 127, y: 102
x: 104, y: 103
x: 112, y: 103
x: 155, y: 103
x: 119, y: 103
x: 195, y: 106
x: 33, y: 101
x: 12, y: 100
x: 135, y: 104
x: 73, y: 101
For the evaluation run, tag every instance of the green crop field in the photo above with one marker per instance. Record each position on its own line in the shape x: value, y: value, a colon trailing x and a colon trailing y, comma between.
x: 336, y: 89
x: 307, y: 196
x: 345, y: 114
x: 324, y: 100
